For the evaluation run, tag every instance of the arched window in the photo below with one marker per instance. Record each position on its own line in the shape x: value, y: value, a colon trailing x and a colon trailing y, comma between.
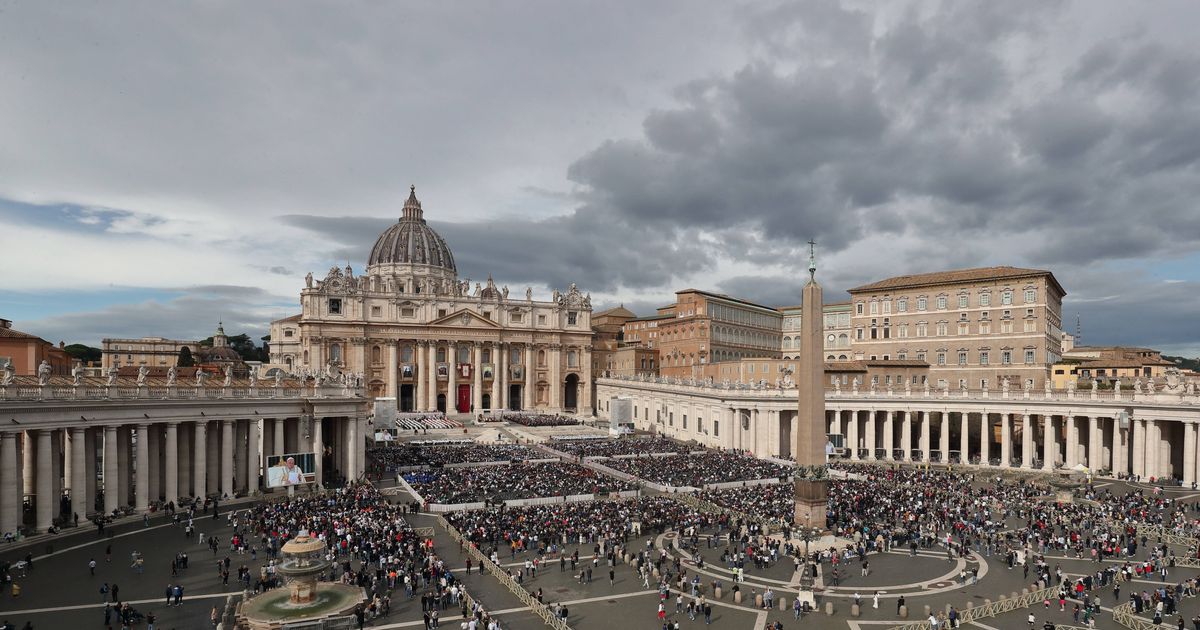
x: 376, y: 355
x: 572, y: 359
x: 306, y: 357
x: 406, y: 354
x: 335, y: 352
x: 541, y: 358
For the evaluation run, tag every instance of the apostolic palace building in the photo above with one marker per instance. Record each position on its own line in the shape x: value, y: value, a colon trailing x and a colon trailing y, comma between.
x: 420, y: 335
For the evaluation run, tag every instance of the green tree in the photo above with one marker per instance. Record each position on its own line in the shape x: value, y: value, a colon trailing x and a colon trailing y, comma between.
x: 83, y: 352
x: 185, y: 358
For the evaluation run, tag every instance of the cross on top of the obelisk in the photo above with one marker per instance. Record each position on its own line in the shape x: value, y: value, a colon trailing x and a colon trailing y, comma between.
x: 812, y: 259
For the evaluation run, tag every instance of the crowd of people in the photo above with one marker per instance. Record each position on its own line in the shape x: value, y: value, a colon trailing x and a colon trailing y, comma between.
x: 424, y: 422
x: 540, y: 419
x: 623, y: 446
x: 396, y: 456
x: 700, y: 469
x: 510, y: 481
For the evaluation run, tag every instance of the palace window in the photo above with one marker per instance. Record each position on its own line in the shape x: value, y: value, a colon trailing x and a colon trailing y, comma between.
x: 962, y: 301
x: 1029, y: 356
x: 941, y: 358
x: 985, y: 328
x: 874, y: 307
x: 941, y: 302
x: 1030, y: 296
x: 1006, y: 297
x: 922, y: 303
x: 902, y: 306
x: 1006, y: 357
x: 920, y: 355
x: 1030, y: 325
x: 716, y: 428
x: 1006, y: 326
x: 858, y: 308
x: 962, y: 328
x: 887, y: 307
x: 962, y: 357
x: 922, y: 329
x: 983, y: 357
x: 985, y: 299
x: 942, y: 329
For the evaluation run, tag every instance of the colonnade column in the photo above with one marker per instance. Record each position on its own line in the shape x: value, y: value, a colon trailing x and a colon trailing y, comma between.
x: 171, y: 491
x: 906, y: 436
x: 925, y: 431
x: 352, y: 450
x: 871, y: 420
x: 431, y: 379
x: 1189, y: 453
x: 1026, y: 442
x: 10, y: 501
x: 530, y: 378
x: 852, y: 434
x: 45, y: 502
x: 142, y: 469
x: 154, y: 468
x: 89, y: 465
x: 1153, y: 447
x: 451, y: 389
x: 889, y: 438
x: 123, y: 441
x: 79, y: 492
x: 1139, y: 447
x: 318, y: 447
x: 944, y: 436
x: 1072, y: 440
x: 1048, y: 445
x: 227, y: 458
x: 477, y: 377
x: 964, y: 437
x: 1095, y: 444
x: 252, y: 455
x: 1120, y: 448
x: 112, y: 487
x: 985, y: 442
x: 1005, y: 440
x: 200, y: 459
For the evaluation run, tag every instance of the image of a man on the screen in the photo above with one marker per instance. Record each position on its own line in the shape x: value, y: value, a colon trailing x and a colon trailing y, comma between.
x: 287, y: 473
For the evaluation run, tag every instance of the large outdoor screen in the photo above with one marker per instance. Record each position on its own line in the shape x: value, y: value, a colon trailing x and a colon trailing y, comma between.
x: 291, y: 470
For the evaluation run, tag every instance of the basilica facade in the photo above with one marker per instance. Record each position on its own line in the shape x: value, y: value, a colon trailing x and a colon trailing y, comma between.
x: 419, y: 335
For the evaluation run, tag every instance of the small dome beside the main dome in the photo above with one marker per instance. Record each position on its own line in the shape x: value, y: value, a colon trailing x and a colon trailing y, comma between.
x: 410, y: 241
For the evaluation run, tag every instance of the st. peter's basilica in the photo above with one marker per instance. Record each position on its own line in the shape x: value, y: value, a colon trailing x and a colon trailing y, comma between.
x: 418, y: 334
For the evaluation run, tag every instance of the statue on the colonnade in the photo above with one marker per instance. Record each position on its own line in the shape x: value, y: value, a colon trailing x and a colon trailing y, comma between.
x: 143, y: 372
x: 308, y: 280
x: 228, y: 375
x: 44, y: 373
x: 201, y: 377
x: 1117, y: 388
x: 253, y: 376
x: 171, y: 376
x: 278, y: 378
x: 77, y: 375
x: 528, y: 294
x: 1137, y: 385
x: 112, y: 377
x: 1095, y: 386
x: 10, y: 373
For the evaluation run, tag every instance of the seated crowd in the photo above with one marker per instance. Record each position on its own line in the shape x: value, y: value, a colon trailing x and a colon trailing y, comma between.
x: 393, y: 457
x: 698, y: 470
x: 511, y: 481
x: 624, y: 446
x: 540, y: 419
x: 419, y: 422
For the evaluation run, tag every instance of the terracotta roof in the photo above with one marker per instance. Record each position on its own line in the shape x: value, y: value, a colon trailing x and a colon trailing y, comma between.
x: 722, y: 296
x: 293, y: 318
x: 9, y: 333
x: 1122, y: 363
x: 956, y: 276
x: 616, y: 310
x: 651, y: 317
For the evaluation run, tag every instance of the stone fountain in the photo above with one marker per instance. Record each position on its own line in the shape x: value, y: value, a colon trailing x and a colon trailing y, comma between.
x: 303, y: 598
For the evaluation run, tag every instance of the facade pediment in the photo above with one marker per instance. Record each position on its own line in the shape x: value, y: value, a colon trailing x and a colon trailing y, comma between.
x: 465, y: 319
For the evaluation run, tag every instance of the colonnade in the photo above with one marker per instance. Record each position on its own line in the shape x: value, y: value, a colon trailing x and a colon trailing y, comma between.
x: 64, y: 470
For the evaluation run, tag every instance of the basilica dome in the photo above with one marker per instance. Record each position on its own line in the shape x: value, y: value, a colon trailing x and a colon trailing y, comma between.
x: 410, y: 241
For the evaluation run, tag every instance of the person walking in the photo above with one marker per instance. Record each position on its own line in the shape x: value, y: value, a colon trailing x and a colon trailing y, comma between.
x: 92, y: 566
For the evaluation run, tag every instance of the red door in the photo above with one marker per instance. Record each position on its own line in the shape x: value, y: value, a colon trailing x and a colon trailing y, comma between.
x: 464, y: 399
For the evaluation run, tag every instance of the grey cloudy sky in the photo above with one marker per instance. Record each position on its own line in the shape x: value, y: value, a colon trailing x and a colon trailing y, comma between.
x: 162, y: 167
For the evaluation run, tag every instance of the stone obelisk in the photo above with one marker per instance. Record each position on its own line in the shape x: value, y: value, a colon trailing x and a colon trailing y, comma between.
x: 812, y: 490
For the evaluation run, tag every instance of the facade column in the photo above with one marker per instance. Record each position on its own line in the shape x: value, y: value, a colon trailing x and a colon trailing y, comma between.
x: 1026, y: 442
x: 556, y: 384
x: 889, y: 435
x: 496, y: 370
x: 871, y: 419
x: 964, y: 437
x: 200, y: 459
x: 420, y: 383
x: 906, y: 436
x: 10, y: 500
x: 1049, y: 447
x: 124, y: 462
x: 431, y: 379
x: 527, y: 390
x: 318, y: 447
x: 45, y: 487
x: 89, y: 465
x: 1120, y: 450
x: 1189, y: 453
x: 227, y: 458
x: 852, y: 435
x: 141, y: 464
x: 1005, y: 440
x: 79, y: 495
x: 1153, y: 448
x: 1095, y: 445
x: 112, y: 485
x: 392, y: 368
x: 183, y: 457
x: 240, y: 454
x: 451, y: 386
x: 252, y: 454
x: 985, y: 440
x: 477, y: 377
x: 279, y: 432
x: 502, y: 374
x: 1072, y: 440
x: 171, y: 491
